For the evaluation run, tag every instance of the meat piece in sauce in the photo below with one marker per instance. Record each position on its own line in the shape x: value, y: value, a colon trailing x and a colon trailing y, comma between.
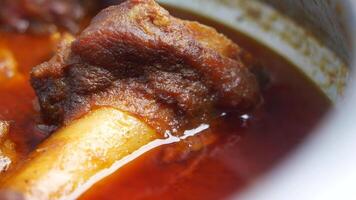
x: 42, y: 16
x: 138, y: 58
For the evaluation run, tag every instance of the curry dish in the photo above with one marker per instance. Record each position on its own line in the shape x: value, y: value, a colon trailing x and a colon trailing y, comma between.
x: 140, y: 102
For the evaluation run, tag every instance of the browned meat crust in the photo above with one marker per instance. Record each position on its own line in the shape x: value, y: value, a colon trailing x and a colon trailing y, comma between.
x: 42, y: 16
x: 138, y: 58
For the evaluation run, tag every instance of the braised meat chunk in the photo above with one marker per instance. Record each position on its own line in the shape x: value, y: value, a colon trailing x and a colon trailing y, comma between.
x: 42, y: 16
x: 138, y: 58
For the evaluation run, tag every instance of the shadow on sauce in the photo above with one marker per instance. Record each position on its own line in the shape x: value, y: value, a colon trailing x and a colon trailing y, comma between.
x: 242, y: 148
x: 16, y: 95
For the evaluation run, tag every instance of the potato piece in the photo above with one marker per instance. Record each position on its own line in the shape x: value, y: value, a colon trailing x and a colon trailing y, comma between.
x: 7, y: 147
x: 74, y: 154
x: 8, y: 65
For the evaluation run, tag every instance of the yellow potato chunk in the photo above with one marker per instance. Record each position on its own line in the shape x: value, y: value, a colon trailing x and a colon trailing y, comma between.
x: 7, y: 147
x: 8, y: 65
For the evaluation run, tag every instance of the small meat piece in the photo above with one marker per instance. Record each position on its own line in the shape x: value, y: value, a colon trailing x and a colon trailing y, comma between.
x: 138, y: 58
x: 42, y: 16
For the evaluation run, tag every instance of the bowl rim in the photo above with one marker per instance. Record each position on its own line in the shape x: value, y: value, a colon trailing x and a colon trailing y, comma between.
x: 328, y: 158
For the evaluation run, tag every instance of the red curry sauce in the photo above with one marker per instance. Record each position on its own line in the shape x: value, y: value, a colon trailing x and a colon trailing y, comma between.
x: 239, y: 148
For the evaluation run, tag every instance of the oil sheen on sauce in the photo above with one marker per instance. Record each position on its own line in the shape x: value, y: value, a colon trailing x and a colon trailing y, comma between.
x: 217, y: 162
